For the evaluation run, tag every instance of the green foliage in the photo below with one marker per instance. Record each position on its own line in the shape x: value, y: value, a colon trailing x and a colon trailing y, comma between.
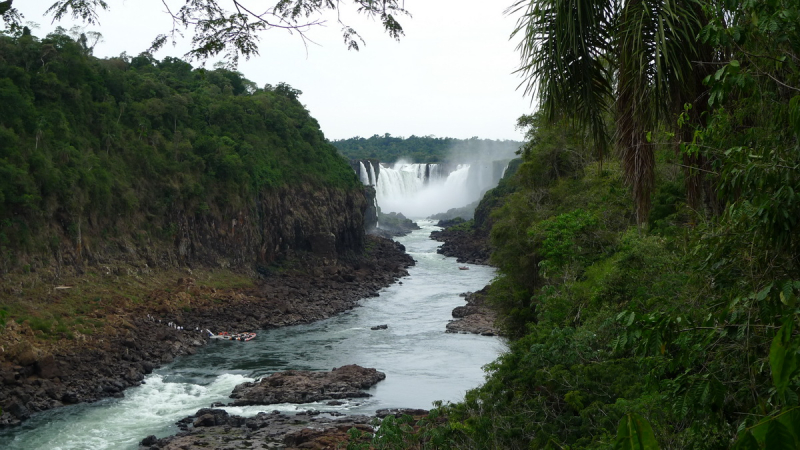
x: 635, y: 433
x: 783, y: 359
x: 543, y: 217
x: 422, y: 149
x: 460, y: 224
x: 681, y: 334
x: 404, y: 432
x: 89, y: 143
x: 560, y: 240
x: 779, y: 431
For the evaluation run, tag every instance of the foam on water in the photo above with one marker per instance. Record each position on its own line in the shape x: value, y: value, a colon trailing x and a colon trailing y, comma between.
x: 122, y: 423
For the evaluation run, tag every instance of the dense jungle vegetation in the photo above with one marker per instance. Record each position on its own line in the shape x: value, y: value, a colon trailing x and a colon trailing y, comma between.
x: 650, y: 293
x: 96, y: 143
x: 423, y: 149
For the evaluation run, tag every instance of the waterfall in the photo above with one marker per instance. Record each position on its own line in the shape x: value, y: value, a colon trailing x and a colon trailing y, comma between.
x: 503, y: 173
x: 373, y: 179
x: 420, y: 190
x: 401, y: 180
x: 362, y: 173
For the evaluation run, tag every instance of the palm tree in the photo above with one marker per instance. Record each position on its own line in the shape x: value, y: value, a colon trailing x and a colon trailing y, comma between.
x: 628, y: 61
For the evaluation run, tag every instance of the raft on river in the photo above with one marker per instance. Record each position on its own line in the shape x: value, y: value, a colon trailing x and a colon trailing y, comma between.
x: 232, y: 336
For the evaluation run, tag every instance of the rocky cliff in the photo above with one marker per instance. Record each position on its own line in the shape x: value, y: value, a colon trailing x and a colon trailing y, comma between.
x: 279, y: 224
x: 328, y: 222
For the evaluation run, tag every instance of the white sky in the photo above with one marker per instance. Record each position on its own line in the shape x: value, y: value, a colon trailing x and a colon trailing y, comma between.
x: 450, y: 76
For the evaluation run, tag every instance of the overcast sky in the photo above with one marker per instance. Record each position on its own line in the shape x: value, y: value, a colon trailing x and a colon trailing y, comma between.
x: 450, y: 76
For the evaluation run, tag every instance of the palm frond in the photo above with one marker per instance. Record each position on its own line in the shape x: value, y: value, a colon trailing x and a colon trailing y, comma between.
x: 630, y: 59
x: 655, y: 44
x: 564, y: 50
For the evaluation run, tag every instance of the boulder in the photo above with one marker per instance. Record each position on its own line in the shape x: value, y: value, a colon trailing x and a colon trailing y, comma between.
x: 8, y: 375
x: 148, y: 441
x: 27, y: 357
x: 297, y: 386
x: 70, y: 397
x: 47, y: 367
x: 16, y: 408
x: 264, y: 430
x: 206, y: 420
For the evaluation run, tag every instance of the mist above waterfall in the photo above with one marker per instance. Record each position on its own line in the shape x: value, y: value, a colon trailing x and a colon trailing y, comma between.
x: 472, y: 151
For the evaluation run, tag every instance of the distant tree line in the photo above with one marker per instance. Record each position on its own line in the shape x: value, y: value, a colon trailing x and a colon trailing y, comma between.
x: 422, y: 149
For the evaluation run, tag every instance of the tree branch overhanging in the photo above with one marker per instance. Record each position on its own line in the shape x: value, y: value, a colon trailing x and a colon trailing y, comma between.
x: 233, y: 27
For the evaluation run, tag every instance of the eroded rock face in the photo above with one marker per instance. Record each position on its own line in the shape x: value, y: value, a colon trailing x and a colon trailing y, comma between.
x: 300, y: 386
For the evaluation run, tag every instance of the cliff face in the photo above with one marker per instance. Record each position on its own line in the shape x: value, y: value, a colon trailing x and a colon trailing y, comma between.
x: 371, y: 214
x: 326, y: 221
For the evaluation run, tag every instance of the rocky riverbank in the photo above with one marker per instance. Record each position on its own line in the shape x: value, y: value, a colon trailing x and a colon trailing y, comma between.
x: 36, y: 376
x: 471, y: 246
x: 466, y: 245
x: 475, y: 317
x: 215, y: 428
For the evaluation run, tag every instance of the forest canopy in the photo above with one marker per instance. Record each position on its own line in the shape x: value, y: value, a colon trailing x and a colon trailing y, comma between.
x: 82, y: 137
x: 425, y: 149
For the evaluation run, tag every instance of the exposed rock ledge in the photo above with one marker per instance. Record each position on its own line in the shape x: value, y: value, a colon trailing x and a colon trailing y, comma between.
x: 136, y: 341
x: 475, y: 317
x: 215, y: 428
x: 467, y: 246
x: 302, y: 386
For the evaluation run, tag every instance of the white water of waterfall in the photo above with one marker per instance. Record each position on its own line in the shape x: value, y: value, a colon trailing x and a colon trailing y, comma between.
x: 363, y: 174
x: 404, y: 188
x: 372, y: 177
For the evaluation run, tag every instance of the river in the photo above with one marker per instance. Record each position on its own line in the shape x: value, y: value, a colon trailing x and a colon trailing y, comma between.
x: 422, y: 363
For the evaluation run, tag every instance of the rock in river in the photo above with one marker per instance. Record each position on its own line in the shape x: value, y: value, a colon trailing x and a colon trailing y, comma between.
x: 474, y: 317
x: 300, y: 386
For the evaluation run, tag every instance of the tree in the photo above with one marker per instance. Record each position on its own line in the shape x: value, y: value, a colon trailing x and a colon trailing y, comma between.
x: 11, y: 17
x: 232, y: 27
x: 629, y: 60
